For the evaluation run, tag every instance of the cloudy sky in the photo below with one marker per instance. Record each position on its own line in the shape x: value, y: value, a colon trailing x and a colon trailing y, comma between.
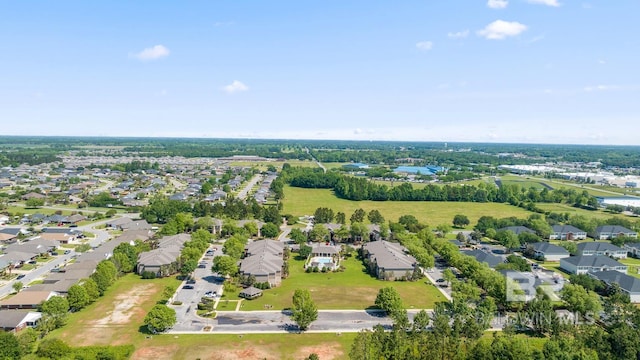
x: 551, y: 71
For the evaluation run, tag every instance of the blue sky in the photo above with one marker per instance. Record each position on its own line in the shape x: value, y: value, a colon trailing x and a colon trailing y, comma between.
x: 551, y: 71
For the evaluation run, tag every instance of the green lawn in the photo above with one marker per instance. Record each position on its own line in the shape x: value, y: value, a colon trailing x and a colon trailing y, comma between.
x: 299, y: 201
x: 634, y: 266
x: 103, y: 323
x: 564, y: 208
x: 351, y: 289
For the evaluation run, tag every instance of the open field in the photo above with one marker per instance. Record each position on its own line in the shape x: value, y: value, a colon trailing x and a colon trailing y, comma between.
x: 564, y: 208
x: 116, y: 318
x: 240, y: 347
x: 299, y: 201
x: 263, y: 165
x: 351, y: 289
x: 525, y: 182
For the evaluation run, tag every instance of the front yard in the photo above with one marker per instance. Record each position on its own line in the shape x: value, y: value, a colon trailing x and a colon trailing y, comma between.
x: 352, y: 289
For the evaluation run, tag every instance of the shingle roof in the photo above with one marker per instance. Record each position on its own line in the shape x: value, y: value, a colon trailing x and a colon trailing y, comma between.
x: 626, y: 282
x: 597, y: 246
x: 613, y: 229
x: 484, y: 257
x: 565, y: 229
x: 27, y: 298
x: 517, y: 229
x: 593, y: 261
x: 388, y: 255
x: 9, y: 319
x: 548, y: 248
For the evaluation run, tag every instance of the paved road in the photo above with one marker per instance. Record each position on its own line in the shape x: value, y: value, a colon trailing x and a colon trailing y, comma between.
x: 37, y: 273
x: 245, y: 191
x: 243, y: 322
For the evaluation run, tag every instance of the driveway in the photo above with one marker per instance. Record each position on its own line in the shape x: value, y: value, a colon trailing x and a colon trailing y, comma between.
x: 245, y: 191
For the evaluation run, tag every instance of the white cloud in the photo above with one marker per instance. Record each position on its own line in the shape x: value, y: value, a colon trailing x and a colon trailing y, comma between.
x: 424, y: 45
x: 458, y: 35
x: 234, y: 87
x: 601, y: 62
x: 601, y: 88
x: 501, y: 29
x: 553, y: 3
x: 152, y: 53
x: 497, y: 4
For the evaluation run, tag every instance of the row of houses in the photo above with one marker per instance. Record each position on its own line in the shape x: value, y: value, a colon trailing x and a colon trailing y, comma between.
x: 570, y: 232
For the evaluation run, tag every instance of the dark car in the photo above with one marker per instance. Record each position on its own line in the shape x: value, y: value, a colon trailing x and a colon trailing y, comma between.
x: 20, y: 276
x: 440, y: 280
x: 191, y: 281
x: 202, y: 266
x: 188, y: 287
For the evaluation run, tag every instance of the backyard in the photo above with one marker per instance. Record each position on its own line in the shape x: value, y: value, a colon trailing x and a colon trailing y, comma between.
x: 352, y: 289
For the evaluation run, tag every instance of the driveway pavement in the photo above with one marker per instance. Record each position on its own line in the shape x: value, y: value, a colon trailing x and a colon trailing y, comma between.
x: 245, y: 191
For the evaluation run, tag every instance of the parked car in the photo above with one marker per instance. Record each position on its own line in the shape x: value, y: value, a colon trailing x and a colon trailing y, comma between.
x: 67, y: 252
x: 440, y: 280
x: 20, y: 276
x: 188, y: 287
x: 191, y: 281
x: 210, y: 294
x: 202, y: 266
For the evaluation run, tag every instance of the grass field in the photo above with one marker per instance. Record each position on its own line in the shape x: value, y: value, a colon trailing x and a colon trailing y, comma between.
x: 249, y: 346
x: 351, y: 289
x: 263, y: 165
x: 299, y: 201
x: 564, y: 208
x: 116, y: 318
x: 634, y: 266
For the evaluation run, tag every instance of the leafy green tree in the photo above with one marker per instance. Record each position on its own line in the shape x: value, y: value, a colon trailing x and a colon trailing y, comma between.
x: 225, y: 265
x: 251, y: 228
x: 17, y: 286
x: 298, y: 236
x: 270, y: 230
x: 160, y: 318
x: 105, y: 275
x: 359, y: 232
x: 122, y: 263
x: 53, y: 349
x: 27, y: 338
x: 234, y: 247
x: 579, y: 300
x: 319, y: 233
x: 34, y: 203
x: 56, y: 308
x: 91, y: 288
x: 304, y: 309
x: 357, y: 216
x: 443, y: 229
x: 188, y: 267
x: 461, y: 221
x: 9, y: 346
x: 78, y: 297
x: 305, y: 251
x: 389, y: 300
x: 341, y: 218
x: 375, y: 217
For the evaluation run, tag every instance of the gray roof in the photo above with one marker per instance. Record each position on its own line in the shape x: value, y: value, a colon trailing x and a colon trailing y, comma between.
x: 593, y: 261
x: 10, y: 319
x: 174, y: 240
x: 159, y: 257
x: 263, y: 264
x: 17, y: 256
x: 549, y: 249
x: 566, y: 229
x: 388, y: 255
x: 484, y: 257
x: 324, y: 249
x: 251, y: 291
x: 613, y: 229
x: 517, y: 229
x: 628, y: 283
x: 136, y: 225
x: 265, y: 246
x: 598, y: 246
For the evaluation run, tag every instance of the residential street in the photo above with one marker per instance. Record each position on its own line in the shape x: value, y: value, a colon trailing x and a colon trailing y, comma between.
x: 245, y: 191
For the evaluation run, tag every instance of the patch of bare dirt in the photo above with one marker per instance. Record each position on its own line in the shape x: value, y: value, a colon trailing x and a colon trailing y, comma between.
x: 328, y: 351
x: 155, y: 352
x: 124, y: 305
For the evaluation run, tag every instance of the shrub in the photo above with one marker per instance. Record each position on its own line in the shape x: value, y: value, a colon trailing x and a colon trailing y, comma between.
x: 148, y: 275
x: 177, y: 303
